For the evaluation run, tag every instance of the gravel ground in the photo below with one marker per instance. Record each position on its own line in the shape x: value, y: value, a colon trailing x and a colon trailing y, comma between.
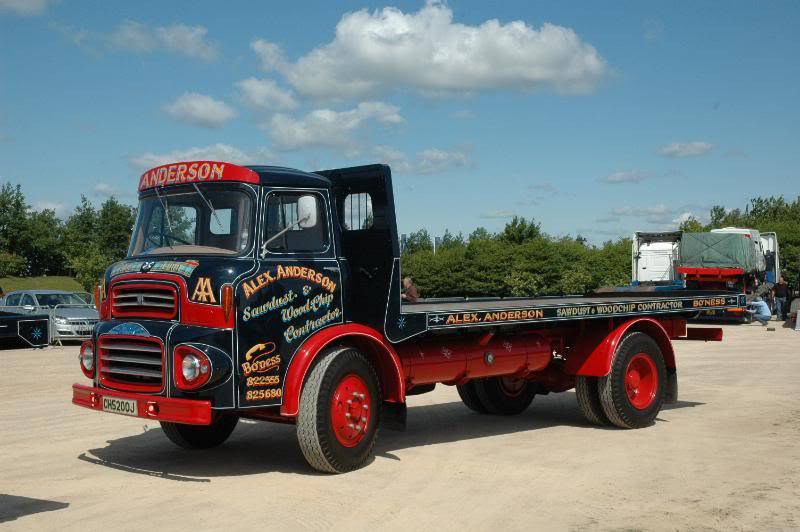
x: 725, y: 457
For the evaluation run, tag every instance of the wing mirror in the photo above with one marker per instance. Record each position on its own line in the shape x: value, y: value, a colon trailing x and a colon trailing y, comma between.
x: 28, y: 308
x: 307, y: 211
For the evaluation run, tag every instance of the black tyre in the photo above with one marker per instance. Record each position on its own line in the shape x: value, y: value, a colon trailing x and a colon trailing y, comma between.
x: 201, y: 436
x: 589, y: 400
x: 633, y: 392
x: 505, y: 395
x: 470, y: 398
x: 339, y: 412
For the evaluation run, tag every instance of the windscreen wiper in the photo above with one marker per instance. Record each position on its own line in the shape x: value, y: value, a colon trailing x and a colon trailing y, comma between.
x: 208, y: 202
x: 165, y: 206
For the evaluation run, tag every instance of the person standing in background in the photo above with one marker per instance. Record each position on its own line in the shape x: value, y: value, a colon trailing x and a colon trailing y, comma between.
x: 780, y: 291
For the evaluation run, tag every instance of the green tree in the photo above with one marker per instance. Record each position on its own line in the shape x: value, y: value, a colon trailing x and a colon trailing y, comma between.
x: 114, y: 226
x: 13, y: 218
x: 520, y: 230
x: 418, y: 241
x: 42, y: 246
x: 11, y: 265
x: 691, y: 225
x: 80, y: 229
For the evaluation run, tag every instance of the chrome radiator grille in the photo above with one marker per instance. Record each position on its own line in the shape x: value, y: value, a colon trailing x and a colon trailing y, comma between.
x: 131, y: 363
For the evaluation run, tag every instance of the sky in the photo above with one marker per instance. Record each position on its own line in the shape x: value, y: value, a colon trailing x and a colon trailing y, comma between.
x: 593, y: 118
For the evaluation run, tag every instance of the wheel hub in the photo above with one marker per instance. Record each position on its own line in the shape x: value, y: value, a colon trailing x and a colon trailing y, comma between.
x: 512, y: 386
x: 350, y: 407
x: 641, y: 381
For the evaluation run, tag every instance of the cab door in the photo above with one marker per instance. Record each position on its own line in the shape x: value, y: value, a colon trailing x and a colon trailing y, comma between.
x: 294, y: 291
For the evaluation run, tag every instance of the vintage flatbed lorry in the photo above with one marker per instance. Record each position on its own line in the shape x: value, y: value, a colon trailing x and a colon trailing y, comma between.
x: 251, y: 292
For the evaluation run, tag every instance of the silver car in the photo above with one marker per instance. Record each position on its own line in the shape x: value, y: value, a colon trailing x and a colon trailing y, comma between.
x: 73, y: 314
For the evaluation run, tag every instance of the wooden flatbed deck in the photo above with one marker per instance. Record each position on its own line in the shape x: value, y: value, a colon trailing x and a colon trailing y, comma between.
x: 461, y: 312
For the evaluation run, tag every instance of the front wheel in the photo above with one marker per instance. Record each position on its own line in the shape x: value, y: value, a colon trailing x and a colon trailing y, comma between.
x: 200, y: 436
x: 633, y: 392
x: 339, y: 412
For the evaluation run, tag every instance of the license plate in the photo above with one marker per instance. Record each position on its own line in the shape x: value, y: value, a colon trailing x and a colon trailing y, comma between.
x: 126, y: 407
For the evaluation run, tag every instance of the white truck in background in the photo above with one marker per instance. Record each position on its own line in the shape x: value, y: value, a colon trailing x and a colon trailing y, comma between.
x: 655, y: 256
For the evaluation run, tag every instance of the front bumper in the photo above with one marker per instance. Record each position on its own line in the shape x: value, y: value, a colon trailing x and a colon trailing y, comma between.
x: 187, y: 411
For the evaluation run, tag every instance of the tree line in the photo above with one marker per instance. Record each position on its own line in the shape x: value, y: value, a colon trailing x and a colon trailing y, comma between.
x: 37, y: 242
x: 519, y: 260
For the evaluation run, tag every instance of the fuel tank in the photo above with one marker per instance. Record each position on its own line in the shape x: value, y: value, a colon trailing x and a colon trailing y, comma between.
x: 454, y: 358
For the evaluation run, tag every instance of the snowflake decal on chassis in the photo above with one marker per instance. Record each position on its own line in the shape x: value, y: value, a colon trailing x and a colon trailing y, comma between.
x: 37, y: 334
x: 401, y: 322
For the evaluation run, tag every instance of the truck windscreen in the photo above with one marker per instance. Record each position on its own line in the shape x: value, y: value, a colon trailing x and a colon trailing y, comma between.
x: 194, y: 220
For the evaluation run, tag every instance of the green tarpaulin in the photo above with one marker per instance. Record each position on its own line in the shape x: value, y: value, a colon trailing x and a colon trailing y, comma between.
x: 721, y: 250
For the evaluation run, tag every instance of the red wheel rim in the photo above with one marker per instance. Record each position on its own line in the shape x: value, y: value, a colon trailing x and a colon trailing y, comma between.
x: 641, y: 381
x: 350, y: 407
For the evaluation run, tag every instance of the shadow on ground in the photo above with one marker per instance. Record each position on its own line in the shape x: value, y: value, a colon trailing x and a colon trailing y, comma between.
x: 13, y: 506
x: 257, y: 447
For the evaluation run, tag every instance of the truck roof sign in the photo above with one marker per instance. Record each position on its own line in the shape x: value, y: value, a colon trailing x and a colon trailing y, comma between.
x: 195, y: 172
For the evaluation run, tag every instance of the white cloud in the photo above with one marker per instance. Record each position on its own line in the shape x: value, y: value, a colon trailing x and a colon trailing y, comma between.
x: 653, y: 29
x: 24, y: 8
x: 135, y: 37
x: 433, y: 160
x: 376, y: 52
x: 214, y: 152
x: 633, y: 176
x: 656, y: 210
x: 544, y: 186
x: 187, y: 40
x: 200, y: 110
x: 271, y: 55
x: 265, y: 94
x: 428, y: 161
x: 104, y: 189
x: 327, y: 128
x: 497, y: 214
x: 685, y: 149
x: 60, y: 209
x: 179, y: 38
x: 682, y: 218
x: 395, y: 158
x: 607, y: 219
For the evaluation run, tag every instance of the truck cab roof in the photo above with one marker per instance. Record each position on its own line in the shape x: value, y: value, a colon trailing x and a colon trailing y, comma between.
x: 289, y: 177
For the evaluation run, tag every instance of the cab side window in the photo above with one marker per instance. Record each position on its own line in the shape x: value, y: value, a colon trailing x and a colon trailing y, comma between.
x: 13, y: 300
x: 283, y: 232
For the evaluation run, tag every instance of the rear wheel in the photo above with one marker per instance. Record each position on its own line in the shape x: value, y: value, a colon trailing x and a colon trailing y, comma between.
x: 633, y: 392
x: 339, y: 412
x: 470, y: 397
x: 201, y: 436
x: 589, y: 400
x: 505, y: 395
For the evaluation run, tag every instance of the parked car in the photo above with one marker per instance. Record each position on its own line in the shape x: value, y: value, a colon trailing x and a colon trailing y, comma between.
x: 73, y: 315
